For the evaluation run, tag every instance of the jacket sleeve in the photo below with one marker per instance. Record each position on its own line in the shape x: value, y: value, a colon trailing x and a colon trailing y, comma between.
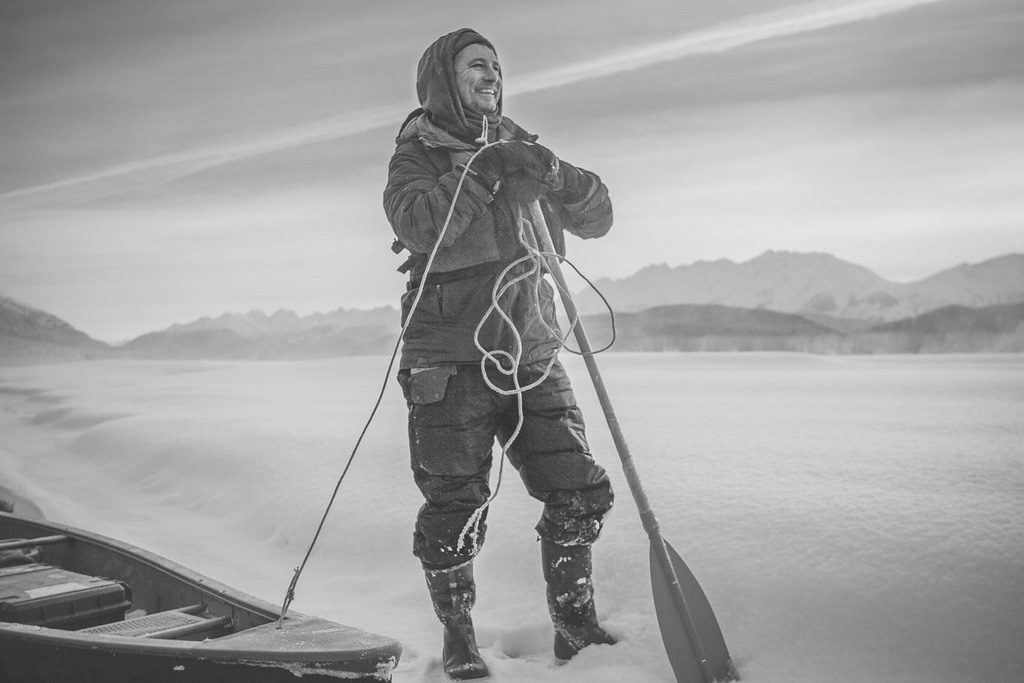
x: 418, y: 197
x: 586, y: 202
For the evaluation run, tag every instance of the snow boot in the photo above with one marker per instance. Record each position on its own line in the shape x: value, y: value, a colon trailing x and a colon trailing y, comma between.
x: 567, y: 571
x: 453, y: 593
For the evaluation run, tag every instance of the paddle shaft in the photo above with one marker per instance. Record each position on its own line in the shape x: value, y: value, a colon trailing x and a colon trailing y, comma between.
x: 647, y: 517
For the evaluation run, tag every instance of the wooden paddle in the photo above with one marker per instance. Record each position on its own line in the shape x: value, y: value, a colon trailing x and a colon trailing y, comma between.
x: 689, y: 629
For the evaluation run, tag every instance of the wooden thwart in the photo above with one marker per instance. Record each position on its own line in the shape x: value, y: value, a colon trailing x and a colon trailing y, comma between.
x: 23, y: 543
x: 175, y: 623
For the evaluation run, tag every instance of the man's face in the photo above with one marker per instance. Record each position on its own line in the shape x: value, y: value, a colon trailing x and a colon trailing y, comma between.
x: 478, y: 77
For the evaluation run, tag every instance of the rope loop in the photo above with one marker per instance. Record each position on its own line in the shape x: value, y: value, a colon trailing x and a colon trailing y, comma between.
x: 491, y: 358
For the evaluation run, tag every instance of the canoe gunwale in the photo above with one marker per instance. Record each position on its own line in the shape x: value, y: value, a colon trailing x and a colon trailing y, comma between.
x: 303, y: 639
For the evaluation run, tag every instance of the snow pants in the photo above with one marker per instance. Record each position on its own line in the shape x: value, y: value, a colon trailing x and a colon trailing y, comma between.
x: 454, y: 418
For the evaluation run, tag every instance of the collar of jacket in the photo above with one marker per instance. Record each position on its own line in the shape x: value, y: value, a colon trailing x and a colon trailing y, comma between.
x: 423, y: 129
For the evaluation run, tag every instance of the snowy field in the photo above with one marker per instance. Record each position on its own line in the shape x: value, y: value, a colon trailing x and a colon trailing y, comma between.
x: 851, y: 519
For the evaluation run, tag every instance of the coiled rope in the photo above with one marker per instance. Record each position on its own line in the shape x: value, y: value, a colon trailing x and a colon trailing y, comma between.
x: 534, y: 256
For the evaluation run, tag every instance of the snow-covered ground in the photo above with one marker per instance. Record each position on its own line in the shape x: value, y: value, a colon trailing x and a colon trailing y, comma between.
x: 851, y: 519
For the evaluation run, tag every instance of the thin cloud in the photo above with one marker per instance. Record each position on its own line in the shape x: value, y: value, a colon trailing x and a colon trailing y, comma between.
x: 723, y: 37
x: 168, y: 167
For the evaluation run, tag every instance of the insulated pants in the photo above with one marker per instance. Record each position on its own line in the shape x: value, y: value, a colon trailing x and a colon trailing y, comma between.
x: 454, y: 418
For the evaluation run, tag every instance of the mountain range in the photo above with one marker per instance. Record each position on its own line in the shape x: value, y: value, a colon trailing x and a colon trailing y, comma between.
x: 283, y: 335
x: 30, y: 335
x: 777, y: 301
x: 814, y: 285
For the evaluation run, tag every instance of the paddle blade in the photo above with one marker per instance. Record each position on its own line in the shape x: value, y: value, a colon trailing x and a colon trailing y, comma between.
x: 673, y: 610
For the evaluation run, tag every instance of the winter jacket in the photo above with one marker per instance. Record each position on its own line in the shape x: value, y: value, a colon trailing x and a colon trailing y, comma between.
x: 481, y: 238
x: 479, y: 243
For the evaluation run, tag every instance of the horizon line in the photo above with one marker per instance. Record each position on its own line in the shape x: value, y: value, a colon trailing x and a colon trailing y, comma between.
x: 370, y: 308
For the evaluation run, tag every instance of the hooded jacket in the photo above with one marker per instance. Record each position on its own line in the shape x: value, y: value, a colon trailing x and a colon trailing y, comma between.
x: 481, y: 237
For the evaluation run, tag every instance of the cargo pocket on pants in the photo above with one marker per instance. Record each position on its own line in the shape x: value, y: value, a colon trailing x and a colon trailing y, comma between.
x: 423, y: 386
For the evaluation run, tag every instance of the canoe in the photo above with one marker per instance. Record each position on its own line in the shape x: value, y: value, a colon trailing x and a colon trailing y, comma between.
x: 78, y: 607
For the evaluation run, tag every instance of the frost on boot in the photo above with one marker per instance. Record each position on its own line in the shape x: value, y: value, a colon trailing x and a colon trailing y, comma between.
x: 567, y: 571
x: 453, y: 593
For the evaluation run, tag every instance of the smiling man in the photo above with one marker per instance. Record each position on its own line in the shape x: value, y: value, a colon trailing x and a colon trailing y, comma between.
x: 478, y: 78
x: 458, y: 402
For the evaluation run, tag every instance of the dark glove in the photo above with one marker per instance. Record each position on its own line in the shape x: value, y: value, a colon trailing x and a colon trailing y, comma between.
x: 506, y: 158
x: 522, y: 188
x: 527, y: 169
x: 572, y: 183
x: 490, y: 182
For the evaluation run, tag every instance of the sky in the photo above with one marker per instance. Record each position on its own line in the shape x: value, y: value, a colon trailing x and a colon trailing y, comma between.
x: 167, y: 161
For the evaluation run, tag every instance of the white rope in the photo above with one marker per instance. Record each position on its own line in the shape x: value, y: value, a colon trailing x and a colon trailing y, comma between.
x: 526, y: 238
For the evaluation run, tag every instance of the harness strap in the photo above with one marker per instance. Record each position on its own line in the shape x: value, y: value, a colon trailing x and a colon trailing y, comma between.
x: 435, y: 278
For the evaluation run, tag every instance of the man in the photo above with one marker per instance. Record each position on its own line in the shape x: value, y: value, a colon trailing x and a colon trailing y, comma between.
x: 468, y: 234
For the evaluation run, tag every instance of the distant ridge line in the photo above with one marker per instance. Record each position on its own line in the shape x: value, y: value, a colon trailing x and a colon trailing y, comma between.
x: 789, y: 301
x: 812, y: 284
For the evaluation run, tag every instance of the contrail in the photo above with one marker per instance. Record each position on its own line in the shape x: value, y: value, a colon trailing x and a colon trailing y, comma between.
x: 168, y: 167
x: 720, y: 38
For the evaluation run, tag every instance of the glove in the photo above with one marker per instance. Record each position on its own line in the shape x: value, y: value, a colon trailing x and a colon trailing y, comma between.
x: 491, y: 183
x: 572, y: 183
x: 523, y: 188
x: 528, y: 170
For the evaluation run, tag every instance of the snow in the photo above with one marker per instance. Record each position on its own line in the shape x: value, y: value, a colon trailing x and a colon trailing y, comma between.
x: 850, y: 518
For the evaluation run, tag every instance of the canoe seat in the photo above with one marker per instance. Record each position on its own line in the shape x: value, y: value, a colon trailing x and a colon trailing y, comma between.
x: 175, y: 623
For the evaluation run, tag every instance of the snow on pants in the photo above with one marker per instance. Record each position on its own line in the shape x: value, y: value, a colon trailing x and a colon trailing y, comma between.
x: 454, y: 418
